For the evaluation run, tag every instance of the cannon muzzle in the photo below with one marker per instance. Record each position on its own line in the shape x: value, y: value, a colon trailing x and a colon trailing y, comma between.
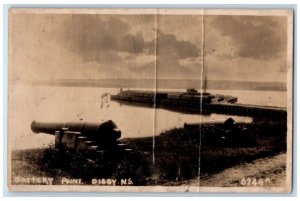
x: 106, y: 132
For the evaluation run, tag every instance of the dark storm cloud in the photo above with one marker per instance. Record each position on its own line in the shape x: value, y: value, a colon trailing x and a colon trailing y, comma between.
x: 99, y: 38
x: 169, y: 51
x: 257, y: 37
x: 94, y: 46
x: 91, y: 34
x: 169, y: 46
x: 102, y: 38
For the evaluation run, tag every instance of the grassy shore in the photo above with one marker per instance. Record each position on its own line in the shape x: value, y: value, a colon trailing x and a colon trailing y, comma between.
x: 175, y: 157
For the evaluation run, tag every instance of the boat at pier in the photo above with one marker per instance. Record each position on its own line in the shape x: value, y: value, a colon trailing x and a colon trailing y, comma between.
x: 191, y: 97
x: 192, y: 101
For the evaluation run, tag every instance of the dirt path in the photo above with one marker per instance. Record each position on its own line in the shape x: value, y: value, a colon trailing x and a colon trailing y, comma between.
x: 262, y: 172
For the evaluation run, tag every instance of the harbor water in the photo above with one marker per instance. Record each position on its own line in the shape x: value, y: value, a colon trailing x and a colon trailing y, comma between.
x: 91, y: 104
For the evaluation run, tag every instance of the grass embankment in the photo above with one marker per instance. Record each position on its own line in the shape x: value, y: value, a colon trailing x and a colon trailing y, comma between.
x: 177, y: 156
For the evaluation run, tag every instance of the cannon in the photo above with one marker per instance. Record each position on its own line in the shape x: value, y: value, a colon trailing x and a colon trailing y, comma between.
x: 81, y: 135
x: 222, y: 134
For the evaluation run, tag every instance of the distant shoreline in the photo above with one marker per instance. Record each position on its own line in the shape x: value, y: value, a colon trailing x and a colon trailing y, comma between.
x: 163, y: 83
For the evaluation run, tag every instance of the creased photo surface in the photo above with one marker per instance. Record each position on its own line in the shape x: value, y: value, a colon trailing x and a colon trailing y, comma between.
x: 150, y: 100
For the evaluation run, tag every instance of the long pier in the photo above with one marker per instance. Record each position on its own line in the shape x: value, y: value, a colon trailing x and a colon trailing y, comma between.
x: 204, y: 107
x: 245, y: 110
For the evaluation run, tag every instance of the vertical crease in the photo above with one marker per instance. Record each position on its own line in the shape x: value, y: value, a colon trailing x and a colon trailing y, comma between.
x: 202, y: 76
x: 155, y: 85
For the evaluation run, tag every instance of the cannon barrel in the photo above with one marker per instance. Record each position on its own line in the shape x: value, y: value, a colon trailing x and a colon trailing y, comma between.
x: 99, y: 132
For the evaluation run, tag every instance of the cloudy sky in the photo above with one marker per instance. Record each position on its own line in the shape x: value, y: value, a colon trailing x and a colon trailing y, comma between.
x: 81, y: 46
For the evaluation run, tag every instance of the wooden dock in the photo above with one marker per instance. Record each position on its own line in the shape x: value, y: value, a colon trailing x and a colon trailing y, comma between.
x: 197, y: 107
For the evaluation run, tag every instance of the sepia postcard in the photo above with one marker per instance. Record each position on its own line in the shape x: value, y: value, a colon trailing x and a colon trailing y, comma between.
x: 150, y: 100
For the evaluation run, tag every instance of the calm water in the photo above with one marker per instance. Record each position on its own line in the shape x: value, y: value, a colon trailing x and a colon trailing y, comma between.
x: 62, y: 104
